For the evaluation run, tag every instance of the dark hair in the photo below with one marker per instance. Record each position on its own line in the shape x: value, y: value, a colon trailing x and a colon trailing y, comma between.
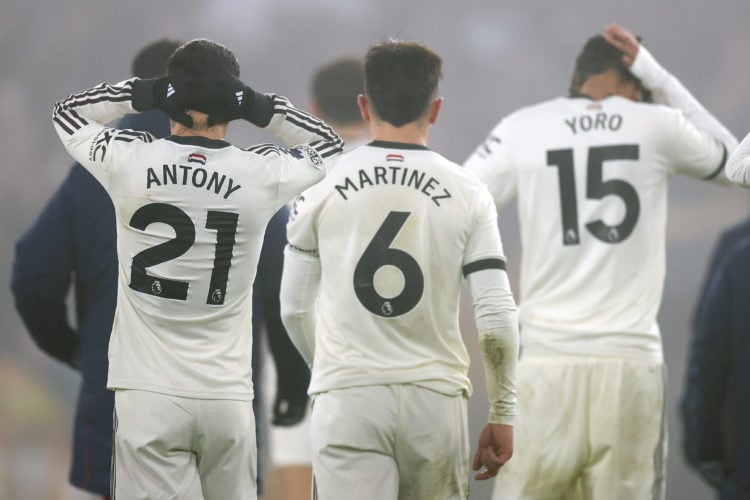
x: 401, y: 79
x: 599, y: 56
x: 335, y: 88
x: 151, y: 60
x: 203, y: 56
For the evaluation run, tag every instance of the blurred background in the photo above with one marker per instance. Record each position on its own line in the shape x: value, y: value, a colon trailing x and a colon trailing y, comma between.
x: 498, y: 56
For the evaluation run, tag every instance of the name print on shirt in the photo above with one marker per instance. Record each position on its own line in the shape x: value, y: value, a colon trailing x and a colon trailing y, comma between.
x: 598, y: 121
x: 187, y: 175
x: 394, y: 175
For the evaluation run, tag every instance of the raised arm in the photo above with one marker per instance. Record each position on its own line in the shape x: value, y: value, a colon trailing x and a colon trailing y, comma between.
x: 738, y: 164
x: 666, y: 88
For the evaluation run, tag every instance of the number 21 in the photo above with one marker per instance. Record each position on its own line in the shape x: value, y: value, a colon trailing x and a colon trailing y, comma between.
x: 225, y: 225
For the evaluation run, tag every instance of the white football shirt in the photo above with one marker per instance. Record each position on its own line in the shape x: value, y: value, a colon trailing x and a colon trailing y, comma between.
x: 591, y: 178
x: 394, y: 226
x: 191, y: 213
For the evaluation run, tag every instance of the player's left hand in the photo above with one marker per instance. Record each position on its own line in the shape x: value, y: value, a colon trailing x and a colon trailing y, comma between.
x: 494, y: 449
x: 623, y: 40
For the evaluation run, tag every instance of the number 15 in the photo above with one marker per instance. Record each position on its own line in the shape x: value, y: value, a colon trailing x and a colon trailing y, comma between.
x: 596, y: 189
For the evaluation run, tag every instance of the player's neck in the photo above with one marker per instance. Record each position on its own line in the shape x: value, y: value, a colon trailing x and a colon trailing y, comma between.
x: 411, y: 133
x: 603, y: 85
x: 217, y: 132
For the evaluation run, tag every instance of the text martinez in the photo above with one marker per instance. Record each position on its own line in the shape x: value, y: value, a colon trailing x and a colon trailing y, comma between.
x: 393, y: 175
x: 191, y: 176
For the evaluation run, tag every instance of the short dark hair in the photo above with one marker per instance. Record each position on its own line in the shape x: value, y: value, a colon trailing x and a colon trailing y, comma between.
x: 596, y: 57
x: 203, y: 56
x: 401, y: 79
x: 151, y: 60
x: 335, y: 87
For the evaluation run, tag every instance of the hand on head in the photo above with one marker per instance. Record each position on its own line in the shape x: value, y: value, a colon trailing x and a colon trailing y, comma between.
x: 623, y: 40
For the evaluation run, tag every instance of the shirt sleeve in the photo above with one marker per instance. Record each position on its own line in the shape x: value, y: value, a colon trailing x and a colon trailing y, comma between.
x: 701, y: 140
x: 491, y: 164
x: 41, y: 278
x: 495, y: 311
x: 300, y: 282
x: 79, y: 122
x: 312, y: 148
x: 738, y: 165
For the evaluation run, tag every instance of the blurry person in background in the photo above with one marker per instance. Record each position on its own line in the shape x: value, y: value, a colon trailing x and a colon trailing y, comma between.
x: 716, y: 401
x: 590, y: 173
x: 334, y: 90
x: 71, y: 245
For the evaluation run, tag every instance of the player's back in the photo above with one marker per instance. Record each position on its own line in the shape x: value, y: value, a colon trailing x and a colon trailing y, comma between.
x: 591, y: 181
x: 392, y: 222
x: 191, y: 215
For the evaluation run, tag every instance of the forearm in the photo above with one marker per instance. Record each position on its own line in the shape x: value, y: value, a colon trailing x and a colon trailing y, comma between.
x: 79, y: 119
x: 497, y: 322
x: 299, y: 291
x: 667, y: 90
x: 295, y: 127
x: 738, y: 164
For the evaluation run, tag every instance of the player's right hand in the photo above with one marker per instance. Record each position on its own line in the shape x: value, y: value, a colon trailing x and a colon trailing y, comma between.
x: 494, y: 449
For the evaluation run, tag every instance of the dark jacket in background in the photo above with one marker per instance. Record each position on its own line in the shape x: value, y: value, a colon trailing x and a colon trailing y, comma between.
x: 73, y: 242
x: 716, y: 399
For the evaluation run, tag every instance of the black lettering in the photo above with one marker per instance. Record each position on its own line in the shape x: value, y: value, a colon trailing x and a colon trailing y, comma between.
x: 416, y: 177
x: 364, y: 179
x: 202, y: 181
x: 572, y: 124
x: 585, y: 121
x: 380, y: 175
x: 615, y: 122
x: 169, y: 173
x: 231, y: 189
x: 393, y: 171
x: 151, y: 178
x: 185, y: 170
x: 348, y: 184
x: 215, y: 182
x: 441, y: 197
x: 430, y: 186
x: 601, y: 121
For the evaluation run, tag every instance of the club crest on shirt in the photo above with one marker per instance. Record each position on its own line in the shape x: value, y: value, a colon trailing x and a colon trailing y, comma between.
x: 156, y: 287
x: 197, y: 158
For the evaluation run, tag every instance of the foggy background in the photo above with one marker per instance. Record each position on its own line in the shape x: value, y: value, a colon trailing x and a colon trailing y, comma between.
x: 498, y: 56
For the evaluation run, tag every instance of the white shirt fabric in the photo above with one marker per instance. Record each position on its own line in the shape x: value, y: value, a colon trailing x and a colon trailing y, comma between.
x: 392, y: 229
x: 590, y: 178
x: 191, y: 213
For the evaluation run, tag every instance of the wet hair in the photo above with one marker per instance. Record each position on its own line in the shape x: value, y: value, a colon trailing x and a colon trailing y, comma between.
x: 335, y: 88
x: 401, y: 79
x: 203, y: 56
x: 151, y: 60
